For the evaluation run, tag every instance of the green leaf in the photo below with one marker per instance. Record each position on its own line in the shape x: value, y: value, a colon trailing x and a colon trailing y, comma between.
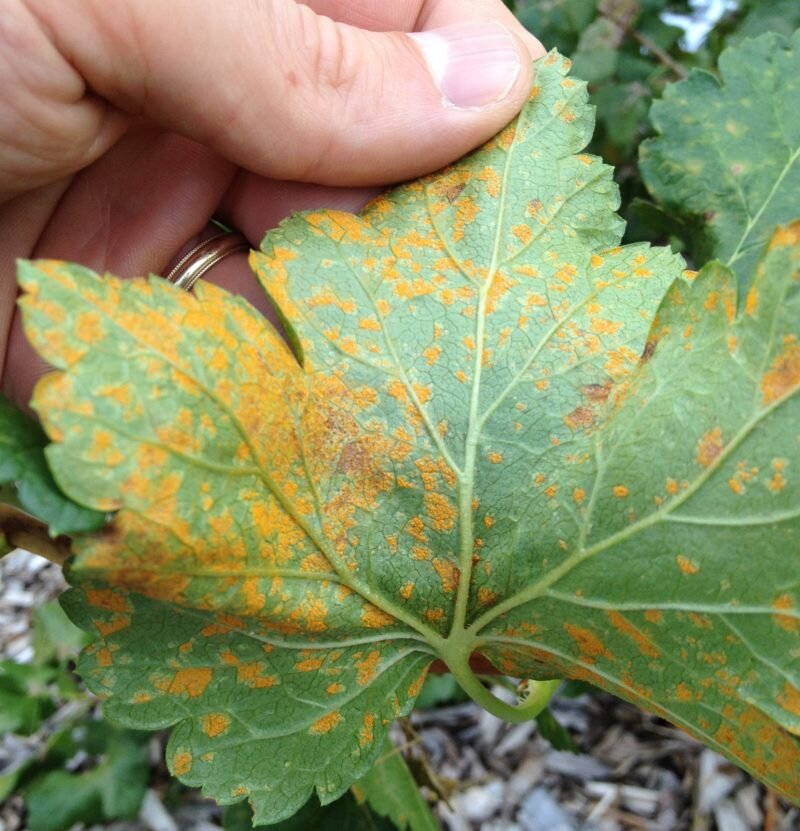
x: 557, y: 23
x: 345, y: 814
x: 55, y: 638
x: 761, y: 17
x: 22, y: 464
x: 391, y: 792
x: 728, y: 155
x: 114, y: 789
x: 438, y: 690
x: 24, y: 698
x: 554, y: 732
x: 493, y: 445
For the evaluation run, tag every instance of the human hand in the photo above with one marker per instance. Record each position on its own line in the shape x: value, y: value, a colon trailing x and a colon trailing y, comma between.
x: 126, y: 126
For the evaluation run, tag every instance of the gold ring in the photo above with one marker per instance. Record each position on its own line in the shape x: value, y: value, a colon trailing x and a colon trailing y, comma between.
x: 204, y: 256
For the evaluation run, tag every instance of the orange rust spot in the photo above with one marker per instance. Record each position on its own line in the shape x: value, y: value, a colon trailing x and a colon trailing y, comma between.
x: 367, y: 733
x: 432, y: 353
x: 486, y: 596
x: 374, y: 618
x: 334, y: 689
x: 142, y: 698
x: 605, y: 327
x: 683, y: 693
x: 108, y: 627
x: 107, y: 599
x: 620, y: 491
x: 440, y: 512
x: 653, y: 616
x: 326, y: 723
x: 700, y: 621
x: 214, y: 723
x: 416, y: 686
x: 736, y: 486
x: 397, y: 391
x: 578, y: 495
x: 590, y: 646
x: 367, y: 668
x: 448, y: 573
x: 423, y: 393
x: 181, y: 763
x: 751, y: 304
x: 406, y: 591
x: 192, y: 682
x: 789, y: 699
x: 420, y: 552
x: 494, y: 458
x: 784, y: 375
x: 785, y: 603
x: 416, y: 528
x: 522, y: 233
x: 709, y: 447
x: 104, y: 657
x: 777, y: 482
x: 434, y: 615
x: 686, y: 565
x: 672, y: 487
x: 623, y: 625
x: 461, y: 376
x: 550, y: 491
x: 786, y: 236
x: 542, y: 384
x: 308, y: 665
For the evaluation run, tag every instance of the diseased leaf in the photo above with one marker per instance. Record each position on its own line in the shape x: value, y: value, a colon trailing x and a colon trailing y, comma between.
x: 23, y: 466
x: 391, y: 791
x: 728, y: 154
x: 492, y: 445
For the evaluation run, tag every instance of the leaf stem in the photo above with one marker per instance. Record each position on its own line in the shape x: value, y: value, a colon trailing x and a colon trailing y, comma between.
x: 540, y: 694
x: 20, y: 530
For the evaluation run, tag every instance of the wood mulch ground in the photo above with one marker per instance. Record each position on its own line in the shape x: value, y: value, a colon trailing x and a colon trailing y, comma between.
x: 634, y: 771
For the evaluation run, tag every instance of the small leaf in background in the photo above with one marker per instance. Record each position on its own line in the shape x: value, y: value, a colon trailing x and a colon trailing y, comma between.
x: 391, y: 791
x: 554, y: 732
x: 345, y: 814
x: 727, y: 159
x: 56, y: 639
x: 23, y: 466
x: 759, y: 17
x: 509, y: 437
x: 25, y: 700
x: 438, y: 690
x: 114, y: 789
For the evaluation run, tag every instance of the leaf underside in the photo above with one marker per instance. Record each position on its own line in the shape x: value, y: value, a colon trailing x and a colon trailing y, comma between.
x: 728, y: 153
x: 507, y: 436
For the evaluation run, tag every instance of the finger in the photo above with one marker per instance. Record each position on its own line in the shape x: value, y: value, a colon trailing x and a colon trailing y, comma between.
x: 50, y: 123
x: 254, y: 204
x: 128, y: 214
x: 294, y: 95
x: 419, y: 15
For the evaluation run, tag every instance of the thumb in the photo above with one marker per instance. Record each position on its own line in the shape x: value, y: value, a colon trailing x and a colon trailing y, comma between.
x: 294, y: 95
